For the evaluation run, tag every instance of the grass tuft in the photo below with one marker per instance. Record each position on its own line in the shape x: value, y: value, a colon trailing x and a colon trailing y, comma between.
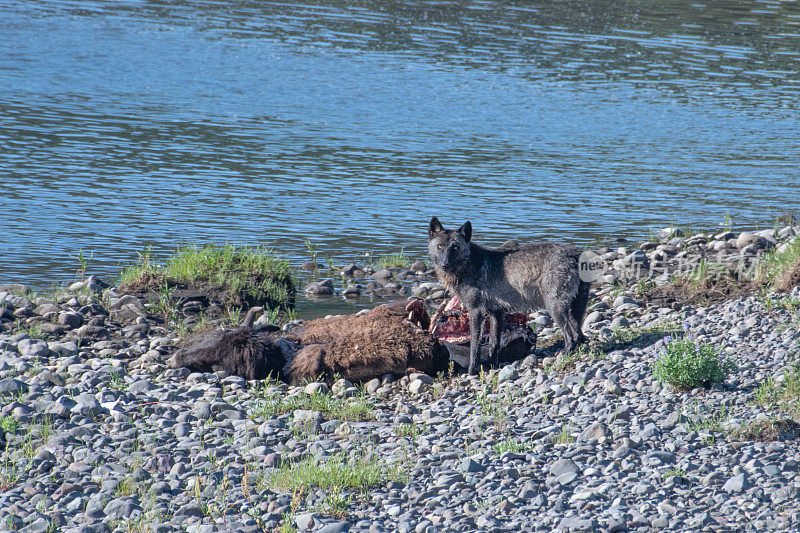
x: 33, y: 331
x: 686, y: 364
x: 9, y: 424
x: 513, y: 446
x: 564, y: 436
x: 675, y: 472
x: 336, y: 505
x: 782, y: 269
x: 410, y: 431
x: 786, y: 394
x: 394, y: 260
x: 582, y: 354
x: 768, y: 430
x: 355, y: 408
x: 336, y: 473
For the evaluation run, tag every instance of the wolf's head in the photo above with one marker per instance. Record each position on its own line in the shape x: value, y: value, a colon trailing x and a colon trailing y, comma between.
x: 449, y: 249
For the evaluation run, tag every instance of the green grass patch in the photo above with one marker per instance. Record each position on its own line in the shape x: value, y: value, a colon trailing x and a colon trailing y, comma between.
x: 14, y: 460
x: 564, y: 436
x: 513, y: 446
x: 584, y: 353
x: 287, y: 524
x: 687, y: 364
x: 493, y: 401
x: 675, y: 472
x: 336, y: 473
x: 786, y: 394
x: 8, y: 424
x: 11, y: 468
x: 706, y: 422
x: 766, y: 394
x: 643, y: 287
x: 394, y: 260
x: 240, y: 276
x: 336, y: 505
x: 410, y: 431
x: 638, y: 337
x: 33, y: 331
x: 126, y: 487
x: 354, y: 408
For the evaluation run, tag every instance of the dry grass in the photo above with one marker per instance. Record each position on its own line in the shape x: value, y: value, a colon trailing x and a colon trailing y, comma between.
x: 769, y: 430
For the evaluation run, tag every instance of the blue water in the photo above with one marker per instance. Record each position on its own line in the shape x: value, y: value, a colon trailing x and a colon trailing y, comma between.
x: 351, y: 124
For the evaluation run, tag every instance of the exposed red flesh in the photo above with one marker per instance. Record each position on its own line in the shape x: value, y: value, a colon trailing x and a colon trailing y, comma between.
x: 451, y: 324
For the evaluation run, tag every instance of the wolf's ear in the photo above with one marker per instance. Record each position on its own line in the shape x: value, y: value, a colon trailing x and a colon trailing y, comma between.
x: 435, y: 227
x: 466, y: 230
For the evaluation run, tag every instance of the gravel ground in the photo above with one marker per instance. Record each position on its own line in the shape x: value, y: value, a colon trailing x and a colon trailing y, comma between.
x: 97, y: 435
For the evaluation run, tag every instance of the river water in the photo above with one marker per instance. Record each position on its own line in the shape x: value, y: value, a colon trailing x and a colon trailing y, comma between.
x: 351, y: 123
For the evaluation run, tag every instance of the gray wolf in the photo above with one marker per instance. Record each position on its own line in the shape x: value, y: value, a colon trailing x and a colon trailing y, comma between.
x: 523, y: 278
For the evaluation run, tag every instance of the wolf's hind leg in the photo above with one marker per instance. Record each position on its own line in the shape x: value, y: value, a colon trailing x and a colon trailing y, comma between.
x: 569, y: 327
x: 578, y: 308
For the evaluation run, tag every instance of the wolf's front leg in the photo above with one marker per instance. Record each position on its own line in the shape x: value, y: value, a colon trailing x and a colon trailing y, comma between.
x: 476, y: 320
x: 495, y: 331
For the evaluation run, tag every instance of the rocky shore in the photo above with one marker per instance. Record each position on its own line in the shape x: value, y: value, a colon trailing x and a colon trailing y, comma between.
x: 96, y: 434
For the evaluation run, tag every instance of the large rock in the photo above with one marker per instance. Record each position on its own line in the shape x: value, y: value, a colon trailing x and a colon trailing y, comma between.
x: 88, y: 406
x: 626, y: 301
x: 122, y: 508
x: 750, y: 239
x: 660, y: 457
x: 320, y: 288
x: 304, y: 521
x: 593, y: 318
x: 736, y: 484
x: 637, y: 260
x: 417, y: 386
x: 424, y: 289
x: 125, y: 301
x: 382, y: 275
x: 564, y: 466
x: 71, y: 319
x: 418, y: 266
x: 340, y: 386
x: 335, y: 527
x: 33, y: 348
x: 597, y: 431
x: 12, y: 386
x: 46, y: 309
x: 507, y: 373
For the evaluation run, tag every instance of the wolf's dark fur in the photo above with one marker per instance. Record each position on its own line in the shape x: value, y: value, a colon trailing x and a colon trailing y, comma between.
x: 522, y: 279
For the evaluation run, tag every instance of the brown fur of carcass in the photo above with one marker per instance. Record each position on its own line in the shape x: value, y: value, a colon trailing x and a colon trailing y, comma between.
x: 359, y: 347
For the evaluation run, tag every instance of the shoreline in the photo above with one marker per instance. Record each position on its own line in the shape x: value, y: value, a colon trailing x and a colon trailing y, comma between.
x: 97, y: 434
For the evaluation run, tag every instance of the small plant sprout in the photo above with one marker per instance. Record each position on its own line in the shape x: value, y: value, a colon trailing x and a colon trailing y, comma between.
x: 83, y: 262
x: 312, y: 250
x: 564, y: 436
x: 727, y: 221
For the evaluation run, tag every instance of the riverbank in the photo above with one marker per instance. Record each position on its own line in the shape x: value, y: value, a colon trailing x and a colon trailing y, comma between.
x: 98, y: 435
